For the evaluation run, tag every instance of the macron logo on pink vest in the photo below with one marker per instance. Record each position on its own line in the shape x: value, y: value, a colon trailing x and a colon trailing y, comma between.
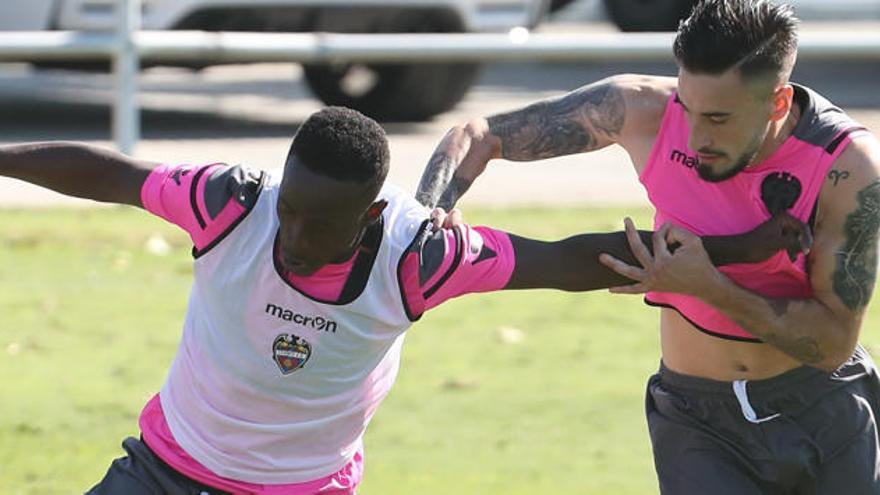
x: 684, y: 159
x: 317, y: 322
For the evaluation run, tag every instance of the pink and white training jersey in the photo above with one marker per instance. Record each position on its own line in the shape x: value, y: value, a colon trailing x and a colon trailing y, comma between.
x: 789, y: 179
x: 277, y: 376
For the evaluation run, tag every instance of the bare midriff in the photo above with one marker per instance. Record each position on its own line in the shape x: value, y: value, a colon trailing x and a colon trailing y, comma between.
x: 689, y: 351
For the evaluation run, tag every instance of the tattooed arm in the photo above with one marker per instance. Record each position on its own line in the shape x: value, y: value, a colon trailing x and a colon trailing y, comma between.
x: 824, y: 330
x: 460, y: 157
x: 586, y: 119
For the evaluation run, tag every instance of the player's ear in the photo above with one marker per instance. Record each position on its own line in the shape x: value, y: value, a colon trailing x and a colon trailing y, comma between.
x: 782, y: 100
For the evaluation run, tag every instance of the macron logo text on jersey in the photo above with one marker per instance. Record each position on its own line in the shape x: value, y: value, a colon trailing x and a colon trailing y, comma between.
x: 684, y: 159
x: 317, y: 322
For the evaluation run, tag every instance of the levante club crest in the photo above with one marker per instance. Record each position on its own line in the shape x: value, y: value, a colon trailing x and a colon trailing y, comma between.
x: 780, y: 191
x: 290, y: 352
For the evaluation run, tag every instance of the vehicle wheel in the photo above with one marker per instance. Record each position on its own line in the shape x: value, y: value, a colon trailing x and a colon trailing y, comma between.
x: 648, y: 15
x: 396, y: 92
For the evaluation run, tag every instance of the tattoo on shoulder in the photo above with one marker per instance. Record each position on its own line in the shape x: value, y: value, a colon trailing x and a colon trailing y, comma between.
x: 856, y: 263
x: 837, y: 175
x: 562, y: 126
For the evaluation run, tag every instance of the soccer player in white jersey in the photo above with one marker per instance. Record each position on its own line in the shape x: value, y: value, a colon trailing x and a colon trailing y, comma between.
x: 303, y: 289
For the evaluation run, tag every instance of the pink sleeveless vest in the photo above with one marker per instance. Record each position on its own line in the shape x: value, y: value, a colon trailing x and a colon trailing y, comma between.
x: 736, y: 205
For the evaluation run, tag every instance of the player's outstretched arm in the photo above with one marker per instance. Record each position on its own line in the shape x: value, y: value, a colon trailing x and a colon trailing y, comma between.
x: 573, y: 264
x: 77, y: 169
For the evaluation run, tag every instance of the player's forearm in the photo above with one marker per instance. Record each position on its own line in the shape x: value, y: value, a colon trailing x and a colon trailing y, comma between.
x: 805, y: 329
x: 572, y: 264
x: 74, y: 169
x: 722, y: 250
x: 730, y: 249
x: 459, y: 159
x: 581, y: 254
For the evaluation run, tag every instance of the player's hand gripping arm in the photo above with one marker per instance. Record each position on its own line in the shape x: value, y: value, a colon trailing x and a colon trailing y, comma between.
x: 77, y: 169
x: 586, y: 119
x: 821, y: 331
x: 573, y: 263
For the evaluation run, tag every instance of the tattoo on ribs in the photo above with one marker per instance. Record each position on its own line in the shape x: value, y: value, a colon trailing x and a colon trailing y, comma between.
x: 562, y: 126
x: 856, y: 269
x: 437, y: 175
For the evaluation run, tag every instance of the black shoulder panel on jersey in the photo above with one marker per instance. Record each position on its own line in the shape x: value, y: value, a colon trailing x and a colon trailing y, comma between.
x: 821, y: 123
x: 231, y: 183
x: 247, y: 194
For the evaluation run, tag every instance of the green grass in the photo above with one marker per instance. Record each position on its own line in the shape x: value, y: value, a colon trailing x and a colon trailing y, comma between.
x: 90, y: 319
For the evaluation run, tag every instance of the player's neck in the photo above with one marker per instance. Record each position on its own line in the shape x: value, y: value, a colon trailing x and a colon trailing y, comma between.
x: 779, y: 132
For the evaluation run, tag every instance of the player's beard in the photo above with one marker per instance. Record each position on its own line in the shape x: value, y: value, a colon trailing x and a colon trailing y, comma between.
x: 745, y: 159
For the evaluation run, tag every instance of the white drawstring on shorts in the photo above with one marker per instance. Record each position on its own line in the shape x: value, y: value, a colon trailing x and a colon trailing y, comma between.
x: 742, y: 395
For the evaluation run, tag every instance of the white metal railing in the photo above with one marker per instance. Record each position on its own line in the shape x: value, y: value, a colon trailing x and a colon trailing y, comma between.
x: 129, y: 46
x: 232, y: 47
x: 126, y: 65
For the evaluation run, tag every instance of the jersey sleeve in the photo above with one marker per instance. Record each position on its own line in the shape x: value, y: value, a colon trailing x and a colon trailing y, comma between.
x: 204, y: 200
x: 453, y: 262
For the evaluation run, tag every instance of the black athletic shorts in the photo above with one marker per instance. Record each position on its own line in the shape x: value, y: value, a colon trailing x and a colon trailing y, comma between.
x: 803, y: 432
x: 141, y: 472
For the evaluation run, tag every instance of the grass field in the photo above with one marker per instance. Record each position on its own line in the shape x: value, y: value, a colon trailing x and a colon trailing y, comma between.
x: 91, y: 304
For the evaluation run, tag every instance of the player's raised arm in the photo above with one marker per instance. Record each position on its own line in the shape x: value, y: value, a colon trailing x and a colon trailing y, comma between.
x: 612, y: 110
x: 77, y: 169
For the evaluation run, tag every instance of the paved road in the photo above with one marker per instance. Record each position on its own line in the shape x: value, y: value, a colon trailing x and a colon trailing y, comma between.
x: 247, y: 114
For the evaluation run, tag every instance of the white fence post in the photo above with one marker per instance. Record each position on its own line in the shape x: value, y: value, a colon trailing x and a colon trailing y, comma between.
x: 126, y: 68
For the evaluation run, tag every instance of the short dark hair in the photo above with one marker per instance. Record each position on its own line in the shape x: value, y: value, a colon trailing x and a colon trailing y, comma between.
x: 755, y: 35
x: 342, y: 144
